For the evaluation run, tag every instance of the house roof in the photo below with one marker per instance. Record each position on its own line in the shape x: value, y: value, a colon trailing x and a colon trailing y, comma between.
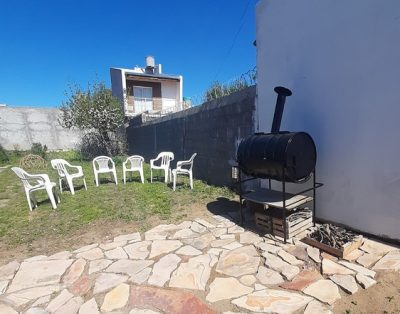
x: 131, y: 73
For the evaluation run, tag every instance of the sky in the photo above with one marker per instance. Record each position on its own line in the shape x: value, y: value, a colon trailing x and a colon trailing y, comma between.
x: 47, y: 45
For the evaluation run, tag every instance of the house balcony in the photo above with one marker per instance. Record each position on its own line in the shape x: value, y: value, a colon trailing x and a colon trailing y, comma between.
x: 153, y: 107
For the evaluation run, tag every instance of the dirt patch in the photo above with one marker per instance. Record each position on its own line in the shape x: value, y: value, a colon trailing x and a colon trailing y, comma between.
x: 4, y: 202
x: 384, y: 297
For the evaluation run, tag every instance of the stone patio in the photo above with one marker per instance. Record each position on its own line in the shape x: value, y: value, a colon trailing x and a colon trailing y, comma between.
x: 195, y: 267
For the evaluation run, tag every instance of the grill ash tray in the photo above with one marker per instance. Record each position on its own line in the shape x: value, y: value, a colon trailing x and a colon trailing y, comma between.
x: 273, y: 198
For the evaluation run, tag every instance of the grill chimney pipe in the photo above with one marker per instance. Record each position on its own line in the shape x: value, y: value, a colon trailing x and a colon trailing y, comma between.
x: 280, y: 105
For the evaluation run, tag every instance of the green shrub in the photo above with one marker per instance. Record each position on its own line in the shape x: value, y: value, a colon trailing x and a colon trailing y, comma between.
x: 3, y: 155
x: 39, y: 149
x: 218, y: 90
x: 69, y: 155
x: 17, y: 150
x: 118, y: 160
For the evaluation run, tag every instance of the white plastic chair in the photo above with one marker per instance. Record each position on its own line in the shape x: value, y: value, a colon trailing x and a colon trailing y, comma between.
x: 105, y: 165
x: 165, y: 160
x: 184, y: 167
x: 136, y: 164
x: 61, y: 166
x: 35, y: 182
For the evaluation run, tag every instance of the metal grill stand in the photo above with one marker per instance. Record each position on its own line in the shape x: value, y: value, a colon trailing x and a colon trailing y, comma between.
x: 278, y: 199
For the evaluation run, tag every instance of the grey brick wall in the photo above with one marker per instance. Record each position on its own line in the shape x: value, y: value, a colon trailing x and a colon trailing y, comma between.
x: 211, y: 130
x: 23, y: 126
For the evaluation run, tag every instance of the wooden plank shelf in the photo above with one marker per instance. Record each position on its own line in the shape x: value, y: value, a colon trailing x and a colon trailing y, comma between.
x: 269, y: 219
x: 292, y: 229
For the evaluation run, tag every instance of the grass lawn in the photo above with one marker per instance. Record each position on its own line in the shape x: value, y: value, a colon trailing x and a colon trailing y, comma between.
x: 103, y: 206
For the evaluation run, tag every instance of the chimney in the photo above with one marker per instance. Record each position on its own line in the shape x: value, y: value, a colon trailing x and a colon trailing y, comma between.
x: 158, y: 69
x: 280, y: 105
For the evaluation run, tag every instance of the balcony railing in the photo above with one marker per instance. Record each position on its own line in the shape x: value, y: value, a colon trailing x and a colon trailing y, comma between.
x: 142, y: 106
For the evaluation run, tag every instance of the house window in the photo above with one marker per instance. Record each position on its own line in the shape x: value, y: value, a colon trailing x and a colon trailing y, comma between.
x: 143, y: 97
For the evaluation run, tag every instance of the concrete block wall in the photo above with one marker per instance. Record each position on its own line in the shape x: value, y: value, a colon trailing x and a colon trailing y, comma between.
x: 23, y: 126
x: 211, y: 130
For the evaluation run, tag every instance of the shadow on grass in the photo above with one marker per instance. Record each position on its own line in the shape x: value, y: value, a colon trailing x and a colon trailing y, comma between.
x: 179, y: 185
x: 137, y: 180
x: 77, y: 187
x: 42, y: 202
x: 106, y: 181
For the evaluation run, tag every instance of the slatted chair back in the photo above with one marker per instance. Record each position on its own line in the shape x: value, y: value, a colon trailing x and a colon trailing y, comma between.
x: 136, y: 161
x: 103, y: 163
x: 59, y: 165
x: 190, y: 161
x: 23, y: 175
x: 166, y: 158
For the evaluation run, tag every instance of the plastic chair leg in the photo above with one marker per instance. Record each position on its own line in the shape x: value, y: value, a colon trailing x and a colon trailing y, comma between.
x: 33, y: 201
x: 151, y: 175
x: 49, y: 190
x: 56, y: 196
x: 124, y: 175
x: 71, y: 186
x: 28, y: 197
x: 166, y: 175
x: 141, y: 175
x: 96, y: 178
x: 115, y: 177
x: 191, y: 180
x: 84, y: 183
x: 174, y: 181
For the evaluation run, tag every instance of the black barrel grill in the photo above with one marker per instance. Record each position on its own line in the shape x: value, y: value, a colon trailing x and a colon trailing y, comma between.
x: 283, y: 156
x: 288, y: 157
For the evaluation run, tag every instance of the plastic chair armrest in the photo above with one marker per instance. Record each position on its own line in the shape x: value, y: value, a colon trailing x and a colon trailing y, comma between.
x: 183, y: 163
x: 76, y: 167
x: 113, y: 164
x: 79, y: 168
x: 42, y: 176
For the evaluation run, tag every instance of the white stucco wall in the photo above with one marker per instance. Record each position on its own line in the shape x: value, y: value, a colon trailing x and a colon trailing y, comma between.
x: 341, y: 59
x: 170, y: 91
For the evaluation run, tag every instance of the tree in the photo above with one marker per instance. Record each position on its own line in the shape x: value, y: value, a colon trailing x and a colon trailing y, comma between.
x: 95, y: 110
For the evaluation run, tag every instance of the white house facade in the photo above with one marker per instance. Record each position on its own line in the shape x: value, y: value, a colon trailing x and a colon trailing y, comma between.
x: 147, y: 90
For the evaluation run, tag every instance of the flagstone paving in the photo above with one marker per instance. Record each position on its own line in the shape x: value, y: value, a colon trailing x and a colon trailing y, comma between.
x: 200, y: 266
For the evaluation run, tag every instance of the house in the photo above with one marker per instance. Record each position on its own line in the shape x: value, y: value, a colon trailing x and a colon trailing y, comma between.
x: 147, y: 89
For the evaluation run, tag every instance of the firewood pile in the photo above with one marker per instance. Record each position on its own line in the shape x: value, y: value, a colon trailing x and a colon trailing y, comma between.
x: 332, y: 235
x: 32, y: 161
